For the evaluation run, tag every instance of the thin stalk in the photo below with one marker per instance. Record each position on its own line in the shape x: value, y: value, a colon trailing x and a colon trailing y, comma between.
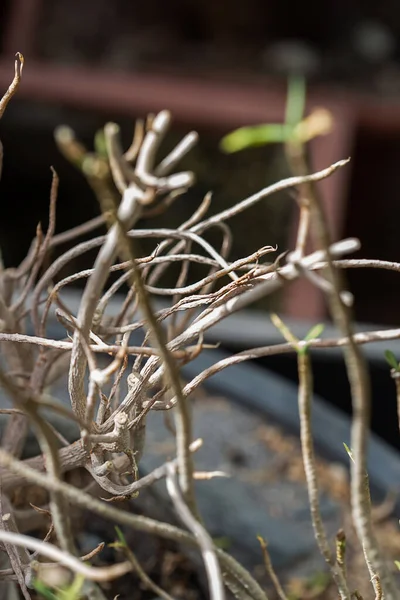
x: 126, y: 247
x: 148, y: 583
x: 46, y: 439
x: 305, y: 401
x: 203, y: 537
x: 271, y: 571
x: 182, y: 416
x: 396, y: 377
x: 360, y: 389
x: 341, y: 551
x: 63, y: 558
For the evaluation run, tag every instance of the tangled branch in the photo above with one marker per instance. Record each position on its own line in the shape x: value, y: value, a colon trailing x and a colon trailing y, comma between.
x: 114, y: 385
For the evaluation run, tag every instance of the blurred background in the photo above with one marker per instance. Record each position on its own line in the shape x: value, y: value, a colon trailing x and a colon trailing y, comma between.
x: 216, y: 66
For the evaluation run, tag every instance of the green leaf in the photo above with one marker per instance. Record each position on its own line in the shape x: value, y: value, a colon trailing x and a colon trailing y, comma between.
x: 397, y: 563
x: 349, y: 451
x: 73, y: 591
x: 314, y: 332
x: 224, y: 542
x: 296, y: 99
x: 257, y: 135
x: 100, y: 145
x: 43, y: 590
x: 391, y: 360
x: 121, y: 536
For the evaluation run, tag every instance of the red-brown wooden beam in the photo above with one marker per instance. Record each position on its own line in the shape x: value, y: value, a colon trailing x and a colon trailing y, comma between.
x: 199, y: 101
x: 21, y: 27
x: 302, y: 299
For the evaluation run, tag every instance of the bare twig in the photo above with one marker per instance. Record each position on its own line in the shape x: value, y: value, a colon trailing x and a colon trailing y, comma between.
x: 205, y: 542
x: 341, y: 551
x: 307, y: 448
x: 147, y: 582
x: 141, y: 523
x: 19, y: 557
x: 144, y: 165
x: 63, y: 558
x: 360, y: 389
x: 112, y: 422
x: 19, y: 64
x: 305, y: 395
x: 270, y: 570
x: 396, y: 376
x: 70, y: 458
x: 71, y: 234
x: 48, y: 446
x: 272, y: 189
x: 41, y: 254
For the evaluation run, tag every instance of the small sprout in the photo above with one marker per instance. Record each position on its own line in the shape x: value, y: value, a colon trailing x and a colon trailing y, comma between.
x: 121, y: 538
x: 100, y: 144
x: 120, y: 543
x: 349, y: 451
x: 257, y: 135
x: 296, y: 100
x: 314, y: 332
x: 340, y: 548
x: 391, y: 360
x: 301, y: 346
x: 72, y: 149
x: 318, y: 123
x: 70, y: 592
x: 284, y: 329
x: 271, y: 133
x: 73, y: 591
x: 296, y: 129
x: 44, y: 591
x: 223, y: 543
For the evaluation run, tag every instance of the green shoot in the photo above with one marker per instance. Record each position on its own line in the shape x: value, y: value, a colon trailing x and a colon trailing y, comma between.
x: 391, y: 360
x: 314, y: 332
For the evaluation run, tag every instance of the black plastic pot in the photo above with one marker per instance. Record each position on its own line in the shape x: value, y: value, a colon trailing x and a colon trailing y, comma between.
x: 275, y: 399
